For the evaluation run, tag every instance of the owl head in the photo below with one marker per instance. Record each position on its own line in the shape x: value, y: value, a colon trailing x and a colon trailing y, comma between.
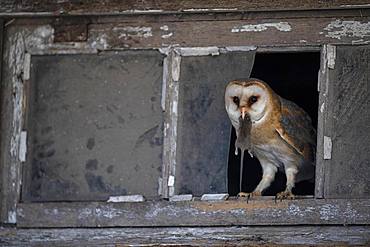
x: 251, y: 97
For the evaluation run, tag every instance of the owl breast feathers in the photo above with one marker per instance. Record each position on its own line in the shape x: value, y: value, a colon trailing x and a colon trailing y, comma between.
x: 281, y: 136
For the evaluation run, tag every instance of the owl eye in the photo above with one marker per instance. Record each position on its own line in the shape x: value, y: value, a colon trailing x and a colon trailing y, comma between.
x: 236, y: 100
x: 253, y: 99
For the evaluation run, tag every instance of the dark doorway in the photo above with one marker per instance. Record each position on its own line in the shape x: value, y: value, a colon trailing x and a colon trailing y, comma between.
x: 294, y: 77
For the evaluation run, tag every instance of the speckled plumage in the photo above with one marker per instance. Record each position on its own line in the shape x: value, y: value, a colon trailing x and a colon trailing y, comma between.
x: 282, y: 135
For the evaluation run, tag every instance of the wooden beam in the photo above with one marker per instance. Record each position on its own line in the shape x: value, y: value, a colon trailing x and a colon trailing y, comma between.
x: 1, y: 103
x: 114, y: 7
x: 208, y: 236
x: 272, y: 32
x: 196, y: 213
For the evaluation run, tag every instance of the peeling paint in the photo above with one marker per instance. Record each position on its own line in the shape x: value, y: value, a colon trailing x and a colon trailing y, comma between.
x: 129, y: 32
x: 23, y: 146
x: 166, y: 36
x: 237, y: 48
x: 360, y: 41
x: 339, y: 29
x: 207, y: 10
x: 164, y: 28
x: 327, y: 147
x: 214, y: 197
x: 108, y: 212
x: 280, y: 26
x: 322, y: 107
x: 100, y: 42
x: 297, y: 211
x: 171, y: 181
x: 26, y: 66
x: 175, y: 68
x: 328, y: 212
x: 331, y: 54
x: 356, y: 5
x: 198, y: 51
x: 141, y: 11
x: 12, y: 217
x: 128, y: 198
x: 181, y: 198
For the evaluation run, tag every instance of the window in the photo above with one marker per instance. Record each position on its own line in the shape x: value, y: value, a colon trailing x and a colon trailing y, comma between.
x: 142, y: 124
x: 91, y: 119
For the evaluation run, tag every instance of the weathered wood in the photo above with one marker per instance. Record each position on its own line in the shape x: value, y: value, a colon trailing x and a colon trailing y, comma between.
x: 85, y: 7
x: 196, y: 16
x: 113, y: 137
x: 197, y: 213
x: 323, y: 102
x: 278, y: 32
x: 209, y: 236
x: 347, y: 173
x: 11, y: 124
x: 70, y: 29
x: 1, y: 103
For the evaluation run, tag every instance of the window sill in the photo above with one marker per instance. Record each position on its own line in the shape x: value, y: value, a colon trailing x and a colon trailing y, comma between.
x: 195, y: 213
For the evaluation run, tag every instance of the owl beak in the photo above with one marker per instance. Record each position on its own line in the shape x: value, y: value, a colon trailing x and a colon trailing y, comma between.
x: 243, y: 111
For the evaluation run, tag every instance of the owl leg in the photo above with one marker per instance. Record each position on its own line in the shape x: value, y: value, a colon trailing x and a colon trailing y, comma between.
x: 268, y: 176
x: 291, y: 173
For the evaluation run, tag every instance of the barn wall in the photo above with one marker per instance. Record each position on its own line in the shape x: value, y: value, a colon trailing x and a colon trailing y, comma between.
x: 67, y: 27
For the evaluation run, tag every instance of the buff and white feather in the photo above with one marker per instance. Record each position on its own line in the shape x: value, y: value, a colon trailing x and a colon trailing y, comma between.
x: 281, y: 134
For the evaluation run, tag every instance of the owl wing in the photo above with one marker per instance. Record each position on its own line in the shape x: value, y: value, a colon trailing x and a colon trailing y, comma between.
x: 296, y: 129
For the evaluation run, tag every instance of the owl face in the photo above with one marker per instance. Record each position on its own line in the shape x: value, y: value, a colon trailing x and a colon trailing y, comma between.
x: 246, y: 97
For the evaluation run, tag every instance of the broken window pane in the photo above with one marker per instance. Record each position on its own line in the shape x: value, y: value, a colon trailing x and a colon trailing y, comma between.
x: 94, y: 126
x: 203, y: 125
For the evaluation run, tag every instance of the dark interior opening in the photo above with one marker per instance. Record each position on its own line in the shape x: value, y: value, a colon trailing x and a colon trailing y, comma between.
x: 294, y: 77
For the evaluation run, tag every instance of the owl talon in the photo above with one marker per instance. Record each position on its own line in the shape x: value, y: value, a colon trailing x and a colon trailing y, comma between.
x: 243, y: 194
x: 248, y: 195
x: 284, y: 195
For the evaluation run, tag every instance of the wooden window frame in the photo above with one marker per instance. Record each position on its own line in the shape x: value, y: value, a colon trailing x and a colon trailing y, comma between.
x: 264, y: 211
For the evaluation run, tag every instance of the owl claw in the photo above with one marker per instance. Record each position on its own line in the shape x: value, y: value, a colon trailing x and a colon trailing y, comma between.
x: 243, y: 194
x: 248, y: 195
x: 284, y: 195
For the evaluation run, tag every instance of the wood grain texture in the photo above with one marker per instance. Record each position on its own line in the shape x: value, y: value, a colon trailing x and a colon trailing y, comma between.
x: 1, y: 103
x: 209, y: 236
x: 70, y: 29
x: 271, y: 32
x: 85, y: 7
x: 11, y: 124
x: 197, y: 213
x: 347, y: 174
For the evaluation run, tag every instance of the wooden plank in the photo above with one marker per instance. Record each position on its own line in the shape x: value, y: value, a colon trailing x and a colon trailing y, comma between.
x: 321, y: 87
x: 85, y: 7
x: 272, y: 32
x: 11, y: 125
x: 197, y: 213
x: 1, y: 96
x: 209, y: 236
x: 70, y: 29
x: 347, y: 173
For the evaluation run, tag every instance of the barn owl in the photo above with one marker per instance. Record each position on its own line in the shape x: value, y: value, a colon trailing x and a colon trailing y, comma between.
x: 279, y: 133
